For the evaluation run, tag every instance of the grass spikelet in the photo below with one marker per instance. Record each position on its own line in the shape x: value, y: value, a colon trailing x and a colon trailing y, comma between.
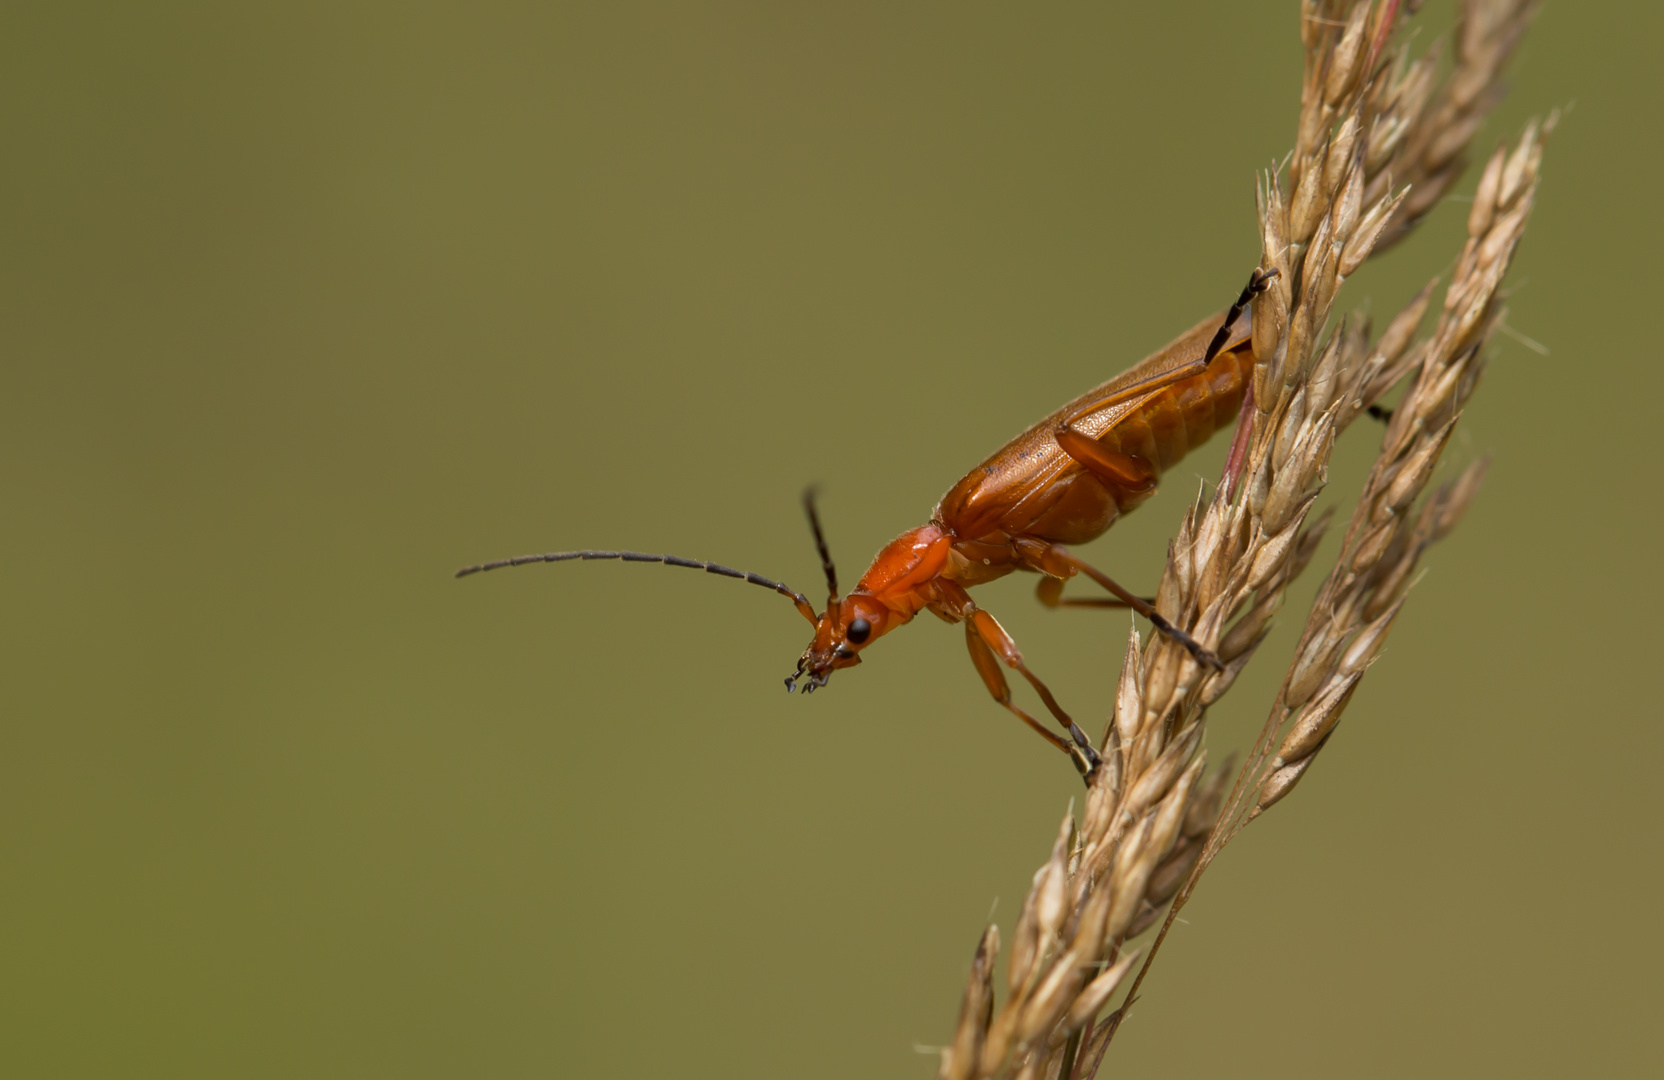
x: 1380, y: 139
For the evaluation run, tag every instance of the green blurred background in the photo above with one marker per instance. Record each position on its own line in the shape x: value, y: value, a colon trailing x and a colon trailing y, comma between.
x: 305, y: 305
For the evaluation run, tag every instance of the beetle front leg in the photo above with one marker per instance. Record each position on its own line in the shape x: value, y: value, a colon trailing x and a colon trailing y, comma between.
x: 990, y: 646
x: 988, y: 666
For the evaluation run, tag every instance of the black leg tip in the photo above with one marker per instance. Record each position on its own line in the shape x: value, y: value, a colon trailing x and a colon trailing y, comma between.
x: 1206, y: 657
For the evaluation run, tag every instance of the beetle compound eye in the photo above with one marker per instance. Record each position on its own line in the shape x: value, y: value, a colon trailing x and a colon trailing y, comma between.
x: 844, y: 652
x: 858, y: 630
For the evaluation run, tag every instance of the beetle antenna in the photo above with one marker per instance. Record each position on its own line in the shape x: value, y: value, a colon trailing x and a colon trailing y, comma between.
x: 802, y: 601
x: 820, y: 545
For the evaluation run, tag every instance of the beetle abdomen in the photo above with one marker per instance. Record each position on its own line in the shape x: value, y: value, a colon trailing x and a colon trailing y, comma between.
x: 1184, y: 416
x: 1031, y: 487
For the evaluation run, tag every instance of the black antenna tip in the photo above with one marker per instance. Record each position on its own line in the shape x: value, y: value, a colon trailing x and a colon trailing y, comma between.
x: 831, y: 572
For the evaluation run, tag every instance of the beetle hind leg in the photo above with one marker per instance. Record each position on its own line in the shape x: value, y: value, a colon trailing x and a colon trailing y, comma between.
x: 1125, y: 474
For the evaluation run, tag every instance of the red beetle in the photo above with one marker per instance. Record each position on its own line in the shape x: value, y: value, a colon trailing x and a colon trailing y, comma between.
x: 1064, y: 481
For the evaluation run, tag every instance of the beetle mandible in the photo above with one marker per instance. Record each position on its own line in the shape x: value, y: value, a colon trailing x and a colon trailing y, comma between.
x: 1063, y: 481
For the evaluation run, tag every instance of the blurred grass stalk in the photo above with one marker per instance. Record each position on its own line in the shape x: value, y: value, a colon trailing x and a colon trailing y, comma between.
x: 1381, y: 139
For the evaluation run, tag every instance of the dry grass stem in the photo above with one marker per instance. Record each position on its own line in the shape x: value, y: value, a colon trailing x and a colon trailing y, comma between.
x: 1357, y: 604
x: 1371, y: 120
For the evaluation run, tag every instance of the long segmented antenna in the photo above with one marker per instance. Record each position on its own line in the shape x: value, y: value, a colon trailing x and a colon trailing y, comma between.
x: 802, y: 601
x: 820, y: 545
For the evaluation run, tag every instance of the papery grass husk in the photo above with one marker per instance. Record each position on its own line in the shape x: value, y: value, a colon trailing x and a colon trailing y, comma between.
x: 1379, y: 141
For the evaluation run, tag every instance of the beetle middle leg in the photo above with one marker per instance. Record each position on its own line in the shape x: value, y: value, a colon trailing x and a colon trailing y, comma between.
x: 1053, y: 560
x: 1050, y: 594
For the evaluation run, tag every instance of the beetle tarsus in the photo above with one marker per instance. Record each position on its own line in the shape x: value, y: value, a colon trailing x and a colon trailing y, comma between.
x: 1086, y: 758
x: 1204, y: 656
x: 1258, y: 282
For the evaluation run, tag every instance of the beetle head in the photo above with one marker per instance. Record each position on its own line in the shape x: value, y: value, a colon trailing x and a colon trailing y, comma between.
x: 844, y: 629
x: 847, y: 626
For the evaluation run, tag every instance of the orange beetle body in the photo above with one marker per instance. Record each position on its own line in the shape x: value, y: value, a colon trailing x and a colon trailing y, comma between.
x: 1032, y: 487
x: 1063, y: 481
